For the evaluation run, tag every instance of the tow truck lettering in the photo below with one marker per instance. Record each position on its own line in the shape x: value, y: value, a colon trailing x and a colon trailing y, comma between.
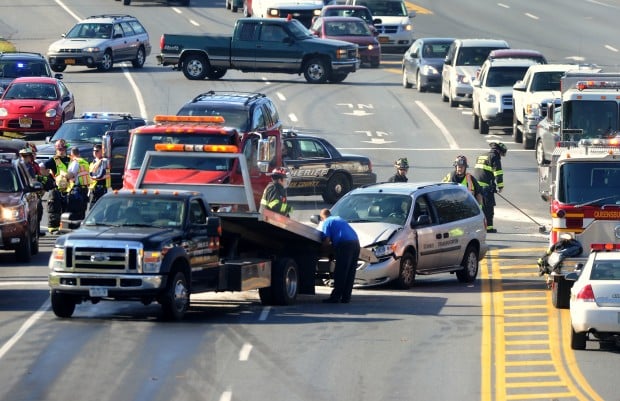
x: 607, y: 214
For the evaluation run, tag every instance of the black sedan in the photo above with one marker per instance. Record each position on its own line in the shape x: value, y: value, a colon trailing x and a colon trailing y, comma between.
x: 423, y: 62
x: 317, y: 168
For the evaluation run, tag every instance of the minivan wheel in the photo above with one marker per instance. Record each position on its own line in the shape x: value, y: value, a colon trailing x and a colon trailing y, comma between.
x: 406, y: 276
x: 470, y: 266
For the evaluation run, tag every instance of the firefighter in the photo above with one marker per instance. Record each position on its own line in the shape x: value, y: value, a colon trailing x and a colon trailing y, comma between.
x: 34, y: 169
x: 488, y: 171
x: 100, y: 173
x: 57, y: 199
x: 274, y: 196
x: 460, y: 176
x: 402, y: 167
x: 79, y: 183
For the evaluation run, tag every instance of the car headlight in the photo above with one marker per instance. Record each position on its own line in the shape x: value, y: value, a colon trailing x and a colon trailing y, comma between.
x: 490, y: 97
x: 3, y: 112
x: 408, y: 27
x: 13, y: 213
x: 429, y: 70
x: 57, y: 259
x: 533, y: 109
x: 382, y: 251
x: 91, y: 50
x: 53, y: 49
x: 151, y: 261
x: 51, y: 113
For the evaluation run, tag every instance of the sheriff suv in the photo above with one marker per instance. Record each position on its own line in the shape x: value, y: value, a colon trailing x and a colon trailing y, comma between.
x: 88, y: 130
x: 414, y: 228
x: 19, y: 208
x: 101, y: 41
x: 23, y: 64
x: 245, y: 111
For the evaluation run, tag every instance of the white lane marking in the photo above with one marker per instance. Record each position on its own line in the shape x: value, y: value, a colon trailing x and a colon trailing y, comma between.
x: 71, y: 13
x: 610, y: 47
x: 226, y: 396
x: 244, y: 353
x: 281, y: 96
x: 293, y: 117
x: 22, y: 283
x: 22, y: 330
x: 264, y: 313
x: 191, y: 21
x: 532, y: 16
x: 446, y: 134
x: 176, y: 10
x: 503, y: 5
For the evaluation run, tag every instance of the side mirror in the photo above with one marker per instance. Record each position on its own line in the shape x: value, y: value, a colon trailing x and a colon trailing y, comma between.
x: 35, y: 187
x: 519, y: 86
x: 411, y: 14
x: 423, y: 220
x: 476, y: 83
x: 377, y: 21
x: 545, y: 195
x: 213, y: 225
x: 315, y: 218
x: 58, y: 76
x: 572, y: 276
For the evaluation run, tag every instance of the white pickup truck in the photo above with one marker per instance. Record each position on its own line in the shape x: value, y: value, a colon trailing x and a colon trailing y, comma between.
x: 530, y: 96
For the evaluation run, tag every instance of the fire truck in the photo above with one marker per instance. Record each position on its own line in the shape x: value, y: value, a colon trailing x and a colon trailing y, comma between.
x: 178, y: 133
x: 582, y: 186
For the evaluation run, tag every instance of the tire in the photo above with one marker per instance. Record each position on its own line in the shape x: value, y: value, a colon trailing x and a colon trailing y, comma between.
x: 233, y: 7
x: 528, y: 143
x: 23, y: 252
x: 475, y: 120
x: 284, y: 282
x: 418, y: 83
x: 540, y: 154
x: 577, y: 340
x: 216, y: 73
x: 375, y: 64
x: 444, y: 98
x: 453, y: 103
x: 34, y: 246
x: 195, y: 67
x: 107, y: 62
x: 406, y: 83
x: 228, y: 5
x: 470, y: 266
x: 484, y: 127
x: 138, y: 62
x: 315, y: 71
x: 517, y: 135
x: 560, y: 293
x: 336, y: 78
x: 63, y: 305
x: 58, y: 67
x: 406, y: 274
x: 175, y: 301
x: 126, y: 2
x: 337, y: 186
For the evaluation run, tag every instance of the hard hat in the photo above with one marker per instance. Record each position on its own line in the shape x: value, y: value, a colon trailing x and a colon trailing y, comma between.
x: 25, y: 152
x: 279, y: 172
x: 61, y: 144
x: 32, y: 147
x: 500, y: 147
x: 460, y: 161
x: 401, y: 163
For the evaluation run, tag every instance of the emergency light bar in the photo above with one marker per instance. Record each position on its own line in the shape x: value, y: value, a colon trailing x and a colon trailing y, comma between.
x: 605, y: 247
x: 189, y: 119
x: 180, y: 147
x: 104, y: 114
x: 582, y: 85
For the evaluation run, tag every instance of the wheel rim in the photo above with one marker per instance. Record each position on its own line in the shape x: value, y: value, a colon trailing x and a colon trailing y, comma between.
x: 539, y: 153
x: 316, y: 71
x: 406, y: 273
x: 472, y: 265
x: 107, y: 61
x: 194, y: 68
x: 140, y: 57
x: 290, y: 281
x: 180, y: 295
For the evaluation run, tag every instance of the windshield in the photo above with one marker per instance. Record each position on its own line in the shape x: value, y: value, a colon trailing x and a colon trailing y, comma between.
x: 374, y: 207
x: 81, y: 132
x: 133, y: 211
x: 8, y: 180
x: 597, y: 119
x: 385, y: 8
x: 473, y: 55
x: 15, y: 69
x: 504, y: 76
x: 31, y: 91
x: 298, y: 30
x: 347, y: 28
x: 143, y: 142
x: 90, y: 30
x: 596, y: 182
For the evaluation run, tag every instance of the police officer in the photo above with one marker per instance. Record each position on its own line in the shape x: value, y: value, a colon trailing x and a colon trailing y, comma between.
x: 100, y: 173
x: 460, y: 176
x: 33, y: 168
x: 80, y: 181
x: 274, y: 196
x: 488, y: 171
x: 402, y: 167
x: 57, y: 200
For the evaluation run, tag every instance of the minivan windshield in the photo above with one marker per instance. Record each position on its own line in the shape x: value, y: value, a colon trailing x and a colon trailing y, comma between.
x: 385, y: 8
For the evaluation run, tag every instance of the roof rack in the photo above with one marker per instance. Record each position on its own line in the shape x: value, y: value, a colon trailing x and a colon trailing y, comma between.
x: 248, y: 95
x: 113, y: 16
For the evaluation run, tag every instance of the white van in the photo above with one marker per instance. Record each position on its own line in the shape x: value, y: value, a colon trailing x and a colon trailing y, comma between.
x: 393, y: 23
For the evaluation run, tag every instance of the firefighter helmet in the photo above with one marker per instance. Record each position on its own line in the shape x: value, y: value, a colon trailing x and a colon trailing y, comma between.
x: 500, y: 147
x: 460, y: 161
x: 25, y: 152
x: 401, y: 163
x: 279, y: 172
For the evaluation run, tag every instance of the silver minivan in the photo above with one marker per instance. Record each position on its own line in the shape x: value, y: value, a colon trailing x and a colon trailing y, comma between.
x: 414, y: 228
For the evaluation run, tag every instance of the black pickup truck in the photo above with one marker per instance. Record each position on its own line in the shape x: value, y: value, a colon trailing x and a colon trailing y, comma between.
x: 260, y: 45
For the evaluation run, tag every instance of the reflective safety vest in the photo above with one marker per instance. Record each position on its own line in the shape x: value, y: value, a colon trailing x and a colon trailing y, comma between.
x: 83, y: 176
x: 61, y: 175
x: 94, y: 167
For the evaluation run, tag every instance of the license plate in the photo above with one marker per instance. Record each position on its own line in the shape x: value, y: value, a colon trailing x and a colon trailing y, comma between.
x: 25, y: 122
x: 384, y: 39
x: 98, y: 292
x: 69, y: 61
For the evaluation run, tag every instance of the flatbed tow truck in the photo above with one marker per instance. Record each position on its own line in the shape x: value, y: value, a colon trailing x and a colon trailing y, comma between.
x: 165, y: 258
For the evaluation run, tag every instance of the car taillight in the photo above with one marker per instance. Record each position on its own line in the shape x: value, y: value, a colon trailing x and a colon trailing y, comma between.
x: 162, y: 42
x: 586, y: 294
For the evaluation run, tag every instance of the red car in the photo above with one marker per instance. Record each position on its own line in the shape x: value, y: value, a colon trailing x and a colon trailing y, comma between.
x: 350, y: 29
x: 35, y: 104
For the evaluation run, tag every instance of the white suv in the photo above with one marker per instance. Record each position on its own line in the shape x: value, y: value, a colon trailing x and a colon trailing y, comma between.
x: 492, y: 96
x: 414, y: 228
x: 464, y: 58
